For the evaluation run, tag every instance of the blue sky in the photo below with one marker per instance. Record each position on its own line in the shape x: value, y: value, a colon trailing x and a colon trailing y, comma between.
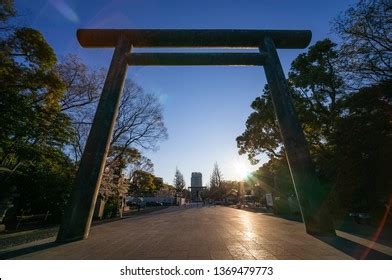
x: 205, y: 108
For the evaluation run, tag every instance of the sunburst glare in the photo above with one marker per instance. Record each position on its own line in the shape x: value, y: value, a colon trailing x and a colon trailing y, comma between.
x: 242, y: 169
x: 65, y: 10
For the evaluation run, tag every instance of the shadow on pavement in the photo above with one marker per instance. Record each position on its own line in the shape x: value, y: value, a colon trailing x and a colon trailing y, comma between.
x: 367, y: 231
x: 28, y: 250
x: 12, y: 253
x: 293, y: 218
x: 349, y: 247
x: 353, y: 249
x: 131, y: 214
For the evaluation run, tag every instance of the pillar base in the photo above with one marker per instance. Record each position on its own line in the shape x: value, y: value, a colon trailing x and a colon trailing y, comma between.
x: 69, y: 240
x: 326, y: 229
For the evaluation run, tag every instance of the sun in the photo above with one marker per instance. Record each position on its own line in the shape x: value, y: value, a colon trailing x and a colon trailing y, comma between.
x: 242, y: 170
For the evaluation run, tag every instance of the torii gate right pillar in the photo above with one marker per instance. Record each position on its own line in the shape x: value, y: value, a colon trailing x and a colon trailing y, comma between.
x: 311, y: 195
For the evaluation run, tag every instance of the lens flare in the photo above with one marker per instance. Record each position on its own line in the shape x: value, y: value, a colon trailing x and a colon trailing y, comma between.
x: 65, y: 10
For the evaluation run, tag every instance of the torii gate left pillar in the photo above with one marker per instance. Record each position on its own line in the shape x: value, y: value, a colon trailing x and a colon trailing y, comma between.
x: 311, y: 197
x: 79, y: 213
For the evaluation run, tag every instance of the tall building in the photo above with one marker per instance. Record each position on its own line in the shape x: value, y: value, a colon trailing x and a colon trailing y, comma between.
x: 196, y: 179
x: 196, y: 187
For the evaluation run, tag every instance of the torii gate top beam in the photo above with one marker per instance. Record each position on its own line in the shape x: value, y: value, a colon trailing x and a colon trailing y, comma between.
x: 194, y: 38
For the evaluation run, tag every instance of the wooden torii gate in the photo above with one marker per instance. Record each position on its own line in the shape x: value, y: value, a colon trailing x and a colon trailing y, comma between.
x: 311, y: 196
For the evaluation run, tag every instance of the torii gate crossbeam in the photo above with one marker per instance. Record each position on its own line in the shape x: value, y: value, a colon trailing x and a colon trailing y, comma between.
x: 311, y: 196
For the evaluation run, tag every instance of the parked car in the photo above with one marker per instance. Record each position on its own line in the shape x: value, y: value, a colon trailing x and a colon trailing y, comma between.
x: 153, y: 203
x: 135, y: 202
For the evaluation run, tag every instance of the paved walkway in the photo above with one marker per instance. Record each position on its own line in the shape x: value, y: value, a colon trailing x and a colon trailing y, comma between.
x: 202, y: 233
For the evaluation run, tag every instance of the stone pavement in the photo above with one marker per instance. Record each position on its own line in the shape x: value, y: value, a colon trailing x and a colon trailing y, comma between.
x: 202, y: 233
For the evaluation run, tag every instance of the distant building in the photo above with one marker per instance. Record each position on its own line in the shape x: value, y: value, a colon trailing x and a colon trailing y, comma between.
x: 196, y: 187
x: 196, y: 179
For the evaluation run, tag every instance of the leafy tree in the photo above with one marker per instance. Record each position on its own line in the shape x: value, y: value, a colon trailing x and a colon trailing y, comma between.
x: 274, y: 177
x: 166, y: 190
x: 179, y: 182
x: 30, y: 93
x: 366, y: 31
x: 262, y: 133
x: 363, y: 154
x: 33, y: 130
x: 7, y: 10
x: 158, y: 183
x: 142, y: 183
x: 232, y: 189
x: 317, y: 82
x: 348, y: 133
x: 317, y: 90
x: 43, y: 184
x: 47, y: 107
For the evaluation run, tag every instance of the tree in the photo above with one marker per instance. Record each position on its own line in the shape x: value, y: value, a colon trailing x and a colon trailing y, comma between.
x: 158, y: 183
x: 33, y: 130
x: 274, y: 177
x: 363, y: 155
x: 317, y: 90
x: 216, y: 188
x: 262, y: 133
x: 166, y: 190
x: 30, y: 92
x: 318, y: 83
x: 142, y: 183
x: 366, y: 32
x: 141, y: 163
x: 179, y: 182
x: 114, y: 183
x: 83, y: 87
x: 139, y: 125
x: 216, y: 177
x: 83, y: 84
x: 232, y: 189
x: 140, y: 120
x: 7, y: 10
x: 347, y: 132
x: 43, y: 184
